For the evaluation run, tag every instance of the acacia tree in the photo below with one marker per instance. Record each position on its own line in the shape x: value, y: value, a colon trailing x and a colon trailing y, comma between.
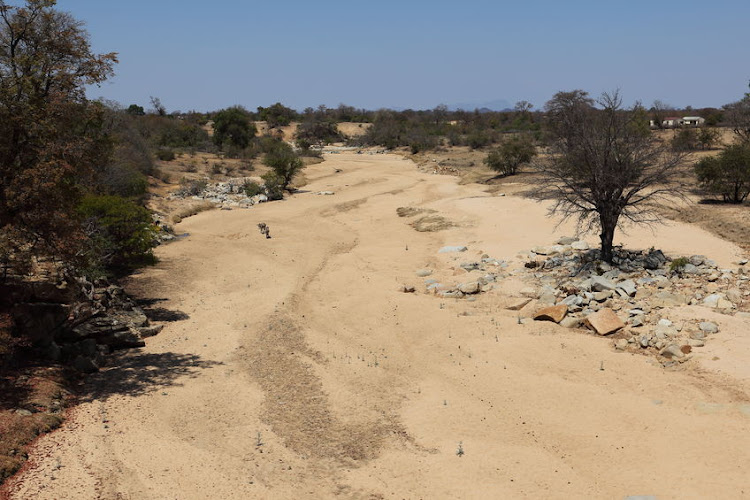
x: 605, y: 166
x: 49, y: 134
x: 511, y: 154
x: 737, y: 114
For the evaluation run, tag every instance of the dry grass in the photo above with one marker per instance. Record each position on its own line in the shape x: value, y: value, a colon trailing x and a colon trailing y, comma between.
x: 190, y: 210
x: 39, y: 390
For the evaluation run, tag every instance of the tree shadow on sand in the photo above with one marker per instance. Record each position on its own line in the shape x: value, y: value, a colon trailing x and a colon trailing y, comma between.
x: 154, y: 313
x: 135, y: 373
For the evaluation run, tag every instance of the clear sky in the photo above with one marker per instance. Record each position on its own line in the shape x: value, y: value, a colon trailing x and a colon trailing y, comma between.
x: 206, y: 55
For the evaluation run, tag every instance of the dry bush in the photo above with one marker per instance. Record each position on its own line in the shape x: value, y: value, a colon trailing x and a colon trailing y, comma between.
x: 191, y: 210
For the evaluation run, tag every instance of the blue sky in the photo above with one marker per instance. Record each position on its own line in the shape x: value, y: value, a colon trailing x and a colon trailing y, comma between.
x: 417, y: 54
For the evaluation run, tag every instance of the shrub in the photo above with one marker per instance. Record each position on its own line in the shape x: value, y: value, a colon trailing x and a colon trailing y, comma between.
x: 677, y: 264
x: 727, y: 174
x: 165, y: 154
x: 685, y: 140
x: 274, y: 185
x: 284, y: 162
x: 511, y: 154
x: 233, y: 128
x: 192, y: 187
x: 121, y: 234
x: 252, y: 188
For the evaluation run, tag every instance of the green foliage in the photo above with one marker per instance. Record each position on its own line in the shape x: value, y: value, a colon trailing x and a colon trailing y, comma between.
x: 252, y: 188
x: 274, y: 185
x: 727, y: 174
x: 511, y: 154
x: 678, y: 264
x: 120, y: 234
x: 233, y: 128
x: 135, y: 110
x: 318, y: 131
x: 50, y: 135
x: 284, y: 162
x: 277, y: 115
x: 165, y: 154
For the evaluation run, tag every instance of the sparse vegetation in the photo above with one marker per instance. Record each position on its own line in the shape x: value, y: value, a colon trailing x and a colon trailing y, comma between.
x: 511, y: 154
x: 727, y: 174
x: 284, y: 163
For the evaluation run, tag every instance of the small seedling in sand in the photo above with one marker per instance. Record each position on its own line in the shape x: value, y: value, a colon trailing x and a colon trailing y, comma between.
x: 519, y: 320
x: 445, y: 402
x: 460, y: 450
x: 258, y: 440
x: 601, y: 366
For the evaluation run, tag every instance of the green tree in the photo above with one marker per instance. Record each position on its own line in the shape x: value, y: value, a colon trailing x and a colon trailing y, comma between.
x: 135, y: 110
x: 511, y: 154
x: 604, y: 167
x: 728, y: 174
x: 50, y: 135
x: 232, y: 127
x: 277, y: 115
x: 284, y: 163
x: 120, y: 234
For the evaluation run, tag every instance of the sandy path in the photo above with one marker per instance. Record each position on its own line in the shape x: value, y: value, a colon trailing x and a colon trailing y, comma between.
x: 302, y: 373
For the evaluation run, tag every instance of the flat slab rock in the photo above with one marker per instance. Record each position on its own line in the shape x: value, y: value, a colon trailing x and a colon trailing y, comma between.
x: 604, y: 321
x: 452, y: 249
x: 552, y: 313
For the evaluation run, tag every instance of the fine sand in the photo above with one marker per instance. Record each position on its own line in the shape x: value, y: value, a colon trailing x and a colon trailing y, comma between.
x: 294, y: 368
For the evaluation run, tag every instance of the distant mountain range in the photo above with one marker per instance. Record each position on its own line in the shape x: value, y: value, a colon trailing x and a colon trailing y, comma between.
x: 496, y: 105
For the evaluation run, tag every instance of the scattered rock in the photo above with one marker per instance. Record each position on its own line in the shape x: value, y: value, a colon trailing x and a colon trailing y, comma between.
x: 518, y: 304
x: 604, y: 321
x: 672, y: 351
x: 407, y: 289
x: 621, y: 344
x: 628, y: 287
x: 469, y: 288
x: 708, y: 327
x: 423, y: 273
x: 571, y: 322
x: 600, y: 283
x: 85, y: 365
x: 452, y: 249
x: 553, y: 313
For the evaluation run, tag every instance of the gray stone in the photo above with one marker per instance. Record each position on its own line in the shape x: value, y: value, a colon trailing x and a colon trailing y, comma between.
x: 708, y: 327
x: 579, y: 245
x: 423, y: 273
x: 712, y: 300
x: 599, y: 283
x: 654, y: 260
x: 571, y: 322
x: 627, y: 286
x: 469, y: 266
x: 621, y: 344
x: 566, y: 240
x: 697, y: 260
x: 672, y: 351
x: 602, y: 296
x: 451, y: 294
x: 696, y: 343
x: 469, y: 288
x: 644, y: 341
x: 637, y: 321
x: 452, y: 249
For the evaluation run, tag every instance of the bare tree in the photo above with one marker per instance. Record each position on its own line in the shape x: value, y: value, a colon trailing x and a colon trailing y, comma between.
x: 605, y: 166
x: 737, y: 114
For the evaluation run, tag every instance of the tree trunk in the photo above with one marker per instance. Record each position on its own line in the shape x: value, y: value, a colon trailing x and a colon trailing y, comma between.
x: 607, y: 236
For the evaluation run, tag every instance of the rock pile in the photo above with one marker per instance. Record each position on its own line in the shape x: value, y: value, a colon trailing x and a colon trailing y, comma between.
x: 227, y: 194
x: 478, y: 276
x: 79, y: 324
x: 631, y: 295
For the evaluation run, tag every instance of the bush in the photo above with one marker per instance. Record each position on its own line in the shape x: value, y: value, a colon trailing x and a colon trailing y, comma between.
x: 252, y: 188
x: 233, y: 128
x: 727, y: 174
x: 121, y: 234
x: 678, y: 264
x: 274, y: 185
x: 511, y: 154
x: 284, y: 162
x: 165, y: 154
x: 192, y: 187
x: 685, y: 140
